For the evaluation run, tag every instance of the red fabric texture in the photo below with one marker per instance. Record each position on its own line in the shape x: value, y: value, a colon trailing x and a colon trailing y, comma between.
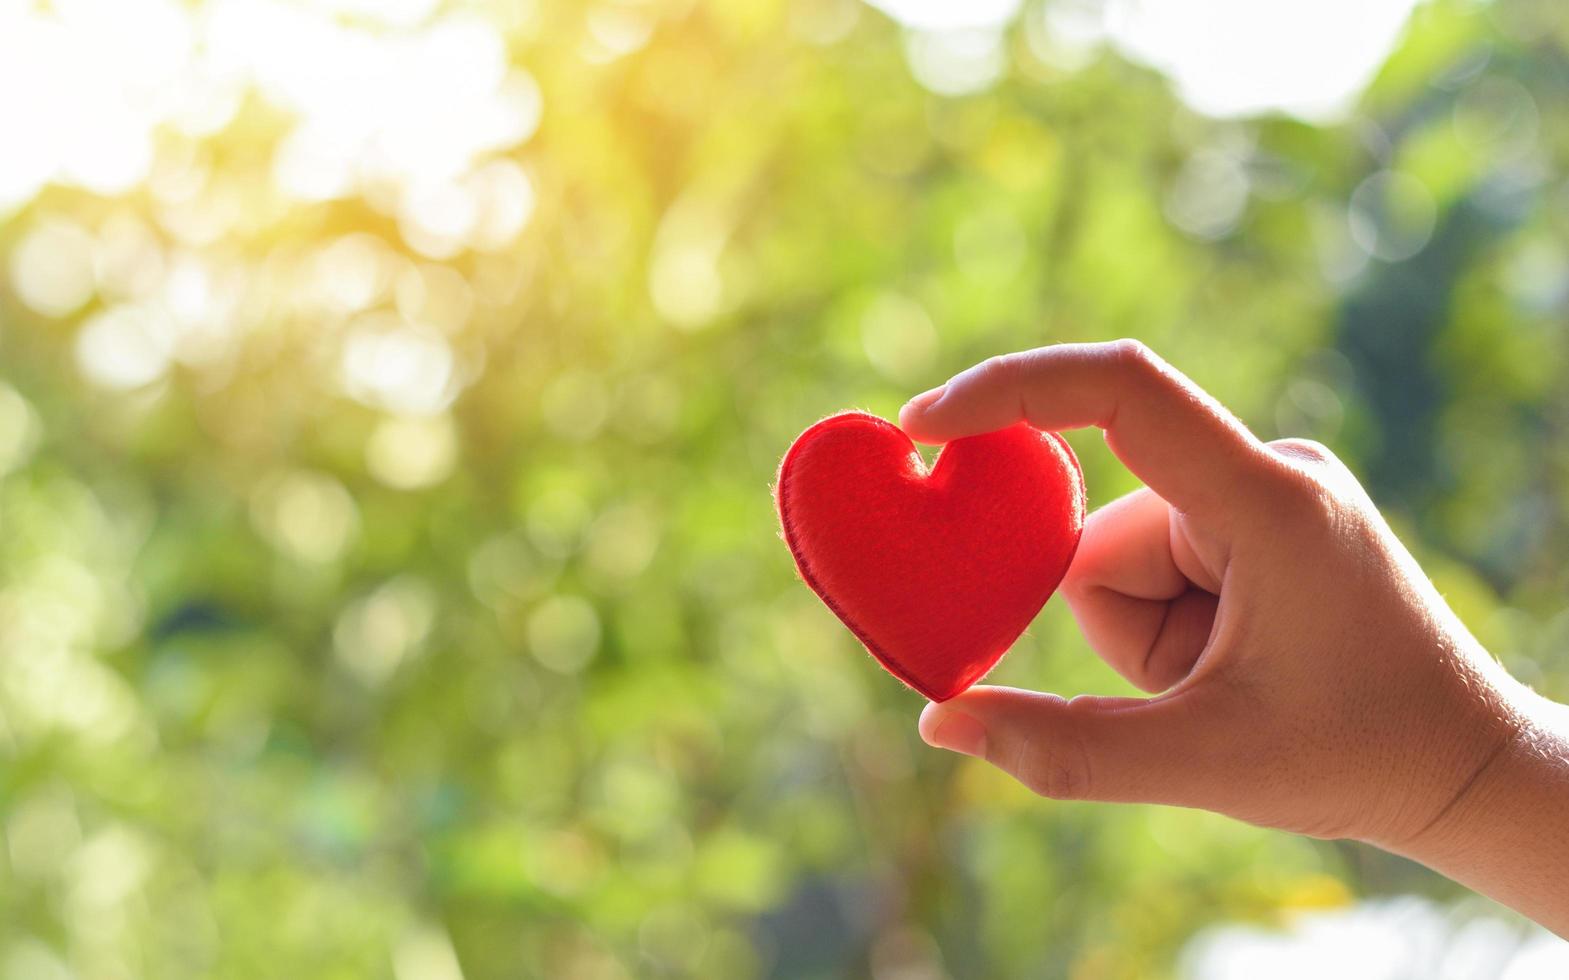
x: 938, y: 572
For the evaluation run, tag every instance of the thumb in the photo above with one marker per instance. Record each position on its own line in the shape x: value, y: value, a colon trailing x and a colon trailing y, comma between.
x: 1113, y: 749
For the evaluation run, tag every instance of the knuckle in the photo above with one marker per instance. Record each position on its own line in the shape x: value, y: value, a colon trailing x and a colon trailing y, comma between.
x: 1135, y: 355
x: 1305, y: 450
x: 1140, y: 366
x: 1307, y: 479
x: 1302, y: 492
x: 999, y: 369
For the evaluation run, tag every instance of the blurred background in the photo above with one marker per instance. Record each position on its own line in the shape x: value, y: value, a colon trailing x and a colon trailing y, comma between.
x: 390, y: 392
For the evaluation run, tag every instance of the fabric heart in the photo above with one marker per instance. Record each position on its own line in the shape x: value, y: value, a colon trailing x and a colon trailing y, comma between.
x: 937, y: 572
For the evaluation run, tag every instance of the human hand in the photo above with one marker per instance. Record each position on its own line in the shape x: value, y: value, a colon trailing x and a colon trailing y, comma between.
x: 1313, y: 679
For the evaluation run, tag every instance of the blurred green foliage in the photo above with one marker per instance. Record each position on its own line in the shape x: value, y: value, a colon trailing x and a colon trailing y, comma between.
x: 299, y: 680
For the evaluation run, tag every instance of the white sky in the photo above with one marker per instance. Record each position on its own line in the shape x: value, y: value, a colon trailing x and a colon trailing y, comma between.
x: 1311, y: 58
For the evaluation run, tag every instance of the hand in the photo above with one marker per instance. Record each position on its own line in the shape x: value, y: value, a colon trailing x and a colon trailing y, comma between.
x: 1313, y: 678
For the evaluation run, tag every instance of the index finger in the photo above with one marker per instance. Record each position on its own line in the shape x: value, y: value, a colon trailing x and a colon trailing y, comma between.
x: 1176, y: 438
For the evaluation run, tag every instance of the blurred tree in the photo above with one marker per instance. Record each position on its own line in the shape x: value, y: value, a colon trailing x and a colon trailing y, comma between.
x: 388, y: 576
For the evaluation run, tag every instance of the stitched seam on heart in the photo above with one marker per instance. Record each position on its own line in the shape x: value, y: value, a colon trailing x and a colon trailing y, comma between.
x: 781, y: 496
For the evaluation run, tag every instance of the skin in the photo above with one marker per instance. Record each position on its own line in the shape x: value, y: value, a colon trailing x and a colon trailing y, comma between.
x: 1308, y: 677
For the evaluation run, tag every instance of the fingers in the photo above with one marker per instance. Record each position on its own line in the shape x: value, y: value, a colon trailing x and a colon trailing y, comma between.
x: 1153, y: 644
x: 1112, y: 749
x: 1126, y: 546
x: 1171, y: 434
x: 1138, y: 592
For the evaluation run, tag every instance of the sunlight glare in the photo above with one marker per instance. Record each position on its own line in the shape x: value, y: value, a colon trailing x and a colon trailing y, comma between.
x: 124, y: 347
x: 942, y: 15
x: 387, y: 99
x: 1226, y: 57
x: 1310, y: 58
x: 393, y: 365
x: 52, y: 268
x: 412, y: 453
x: 97, y: 74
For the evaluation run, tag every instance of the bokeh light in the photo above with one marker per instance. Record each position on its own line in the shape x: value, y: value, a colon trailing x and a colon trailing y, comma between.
x: 390, y: 393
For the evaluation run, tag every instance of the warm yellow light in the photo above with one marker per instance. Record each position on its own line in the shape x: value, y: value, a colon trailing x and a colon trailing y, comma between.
x: 386, y: 100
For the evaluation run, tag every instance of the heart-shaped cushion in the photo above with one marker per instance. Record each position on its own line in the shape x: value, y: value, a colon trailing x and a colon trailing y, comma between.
x: 937, y: 572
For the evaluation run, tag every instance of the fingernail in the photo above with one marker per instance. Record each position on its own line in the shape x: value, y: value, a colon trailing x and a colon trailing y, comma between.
x: 925, y: 399
x: 959, y: 733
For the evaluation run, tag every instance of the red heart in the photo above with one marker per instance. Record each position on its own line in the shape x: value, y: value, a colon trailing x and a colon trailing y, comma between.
x: 938, y: 572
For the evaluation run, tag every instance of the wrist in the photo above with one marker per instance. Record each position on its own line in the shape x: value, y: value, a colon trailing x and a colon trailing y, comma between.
x: 1504, y: 832
x: 1457, y: 722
